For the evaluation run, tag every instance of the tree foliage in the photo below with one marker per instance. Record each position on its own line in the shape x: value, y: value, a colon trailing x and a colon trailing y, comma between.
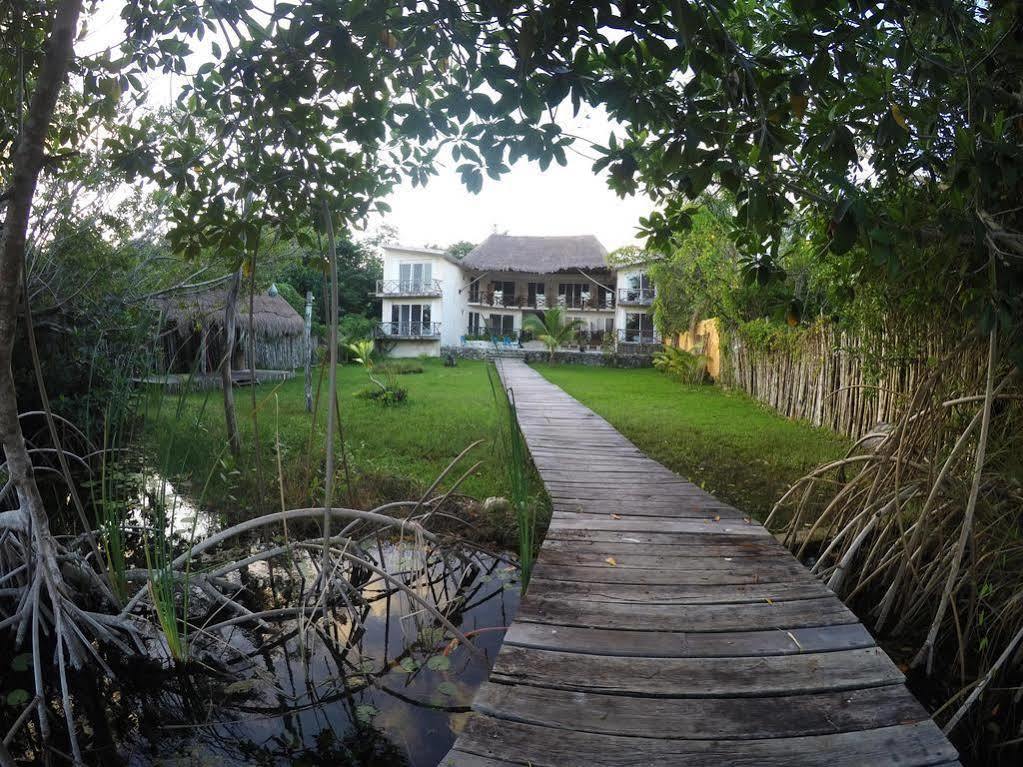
x: 890, y: 128
x: 554, y: 329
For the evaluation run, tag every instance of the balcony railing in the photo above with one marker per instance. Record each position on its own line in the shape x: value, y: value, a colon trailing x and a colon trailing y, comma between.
x: 388, y: 288
x: 635, y: 296
x: 639, y: 339
x: 484, y: 333
x: 429, y: 331
x: 498, y: 300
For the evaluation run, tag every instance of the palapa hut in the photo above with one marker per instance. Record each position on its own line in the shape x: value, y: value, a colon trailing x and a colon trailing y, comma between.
x: 192, y: 331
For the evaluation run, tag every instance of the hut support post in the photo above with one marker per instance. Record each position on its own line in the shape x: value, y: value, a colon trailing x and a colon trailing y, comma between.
x: 203, y: 367
x: 308, y: 351
x: 230, y: 420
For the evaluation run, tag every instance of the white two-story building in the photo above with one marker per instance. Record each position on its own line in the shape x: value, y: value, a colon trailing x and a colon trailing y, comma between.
x: 430, y: 299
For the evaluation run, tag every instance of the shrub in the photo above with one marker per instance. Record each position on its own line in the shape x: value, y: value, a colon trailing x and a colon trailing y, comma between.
x: 687, y: 367
x: 391, y: 395
x: 399, y: 367
x: 352, y: 327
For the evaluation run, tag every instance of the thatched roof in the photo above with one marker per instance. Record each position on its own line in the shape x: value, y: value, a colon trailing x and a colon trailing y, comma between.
x: 543, y: 255
x: 274, y: 317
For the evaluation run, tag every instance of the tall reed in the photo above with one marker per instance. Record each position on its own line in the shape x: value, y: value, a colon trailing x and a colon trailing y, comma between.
x: 516, y: 462
x: 110, y: 513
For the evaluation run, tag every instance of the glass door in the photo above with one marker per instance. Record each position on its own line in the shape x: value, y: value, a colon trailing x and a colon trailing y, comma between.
x: 537, y: 299
x: 415, y: 278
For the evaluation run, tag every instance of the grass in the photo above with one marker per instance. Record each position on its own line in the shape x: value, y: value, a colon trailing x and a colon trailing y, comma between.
x: 732, y: 446
x: 395, y: 452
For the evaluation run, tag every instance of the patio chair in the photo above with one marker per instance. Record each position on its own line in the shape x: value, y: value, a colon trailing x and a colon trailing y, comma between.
x: 507, y: 342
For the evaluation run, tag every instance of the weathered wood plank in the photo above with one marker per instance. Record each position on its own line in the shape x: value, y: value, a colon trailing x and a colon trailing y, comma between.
x: 919, y: 744
x: 681, y: 644
x: 639, y: 508
x: 702, y: 718
x: 660, y: 538
x: 676, y: 594
x: 568, y: 521
x: 750, y: 616
x: 751, y: 547
x: 697, y: 677
x: 670, y: 561
x: 655, y: 577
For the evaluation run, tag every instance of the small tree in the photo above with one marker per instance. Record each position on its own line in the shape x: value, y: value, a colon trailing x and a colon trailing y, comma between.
x: 553, y: 330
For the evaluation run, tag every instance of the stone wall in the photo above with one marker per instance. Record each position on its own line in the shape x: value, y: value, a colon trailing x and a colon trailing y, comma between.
x: 595, y: 359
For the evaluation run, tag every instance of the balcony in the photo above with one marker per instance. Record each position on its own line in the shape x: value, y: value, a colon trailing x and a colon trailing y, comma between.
x: 498, y: 300
x: 635, y: 296
x: 639, y: 340
x: 421, y: 331
x: 408, y: 288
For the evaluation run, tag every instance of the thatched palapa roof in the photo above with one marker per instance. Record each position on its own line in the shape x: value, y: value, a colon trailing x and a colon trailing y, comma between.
x: 274, y: 317
x: 542, y: 255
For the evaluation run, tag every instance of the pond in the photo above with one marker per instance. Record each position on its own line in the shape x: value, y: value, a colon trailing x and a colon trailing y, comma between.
x: 377, y: 681
x: 395, y: 693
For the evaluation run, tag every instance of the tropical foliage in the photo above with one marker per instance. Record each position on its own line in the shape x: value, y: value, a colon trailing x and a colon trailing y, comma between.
x: 687, y: 367
x: 554, y: 329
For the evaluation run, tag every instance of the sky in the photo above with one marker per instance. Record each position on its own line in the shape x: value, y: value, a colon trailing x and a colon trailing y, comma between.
x: 527, y: 201
x: 565, y: 200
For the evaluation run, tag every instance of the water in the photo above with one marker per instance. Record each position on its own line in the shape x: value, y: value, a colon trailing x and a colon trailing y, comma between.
x: 391, y: 692
x: 389, y: 688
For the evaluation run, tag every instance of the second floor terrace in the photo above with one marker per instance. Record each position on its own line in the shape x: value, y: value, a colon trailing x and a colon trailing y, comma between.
x: 408, y: 288
x: 539, y: 292
x: 407, y: 329
x: 633, y: 296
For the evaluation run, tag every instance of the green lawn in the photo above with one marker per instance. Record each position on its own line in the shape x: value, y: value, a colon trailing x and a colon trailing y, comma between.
x: 727, y: 443
x: 732, y: 446
x: 395, y: 452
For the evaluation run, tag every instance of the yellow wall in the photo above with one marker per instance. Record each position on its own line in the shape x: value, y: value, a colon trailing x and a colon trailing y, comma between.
x: 707, y: 342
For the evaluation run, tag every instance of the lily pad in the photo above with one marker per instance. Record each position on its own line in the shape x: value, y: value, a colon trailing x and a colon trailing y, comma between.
x: 18, y: 697
x: 364, y: 713
x: 21, y: 662
x: 439, y: 663
x: 407, y: 665
x: 432, y: 634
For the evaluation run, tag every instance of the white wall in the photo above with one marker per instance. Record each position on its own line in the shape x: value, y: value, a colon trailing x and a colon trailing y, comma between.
x: 442, y: 310
x: 623, y: 282
x: 453, y: 315
x: 415, y: 349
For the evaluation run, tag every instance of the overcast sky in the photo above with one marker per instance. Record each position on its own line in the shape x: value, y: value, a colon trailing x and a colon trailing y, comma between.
x: 559, y: 201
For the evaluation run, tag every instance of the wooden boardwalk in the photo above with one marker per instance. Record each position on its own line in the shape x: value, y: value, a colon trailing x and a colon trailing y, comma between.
x: 662, y: 627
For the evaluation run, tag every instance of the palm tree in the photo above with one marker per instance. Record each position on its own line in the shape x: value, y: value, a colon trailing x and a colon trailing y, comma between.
x: 553, y: 330
x: 362, y: 352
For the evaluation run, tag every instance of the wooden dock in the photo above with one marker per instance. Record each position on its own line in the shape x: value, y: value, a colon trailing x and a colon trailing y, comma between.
x: 663, y: 627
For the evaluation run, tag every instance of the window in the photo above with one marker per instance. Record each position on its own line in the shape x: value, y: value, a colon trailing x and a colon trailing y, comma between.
x: 502, y: 324
x: 639, y: 327
x: 537, y: 298
x: 571, y: 294
x: 639, y: 287
x: 411, y: 320
x: 415, y: 277
x: 504, y: 293
x: 475, y: 324
x: 474, y: 291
